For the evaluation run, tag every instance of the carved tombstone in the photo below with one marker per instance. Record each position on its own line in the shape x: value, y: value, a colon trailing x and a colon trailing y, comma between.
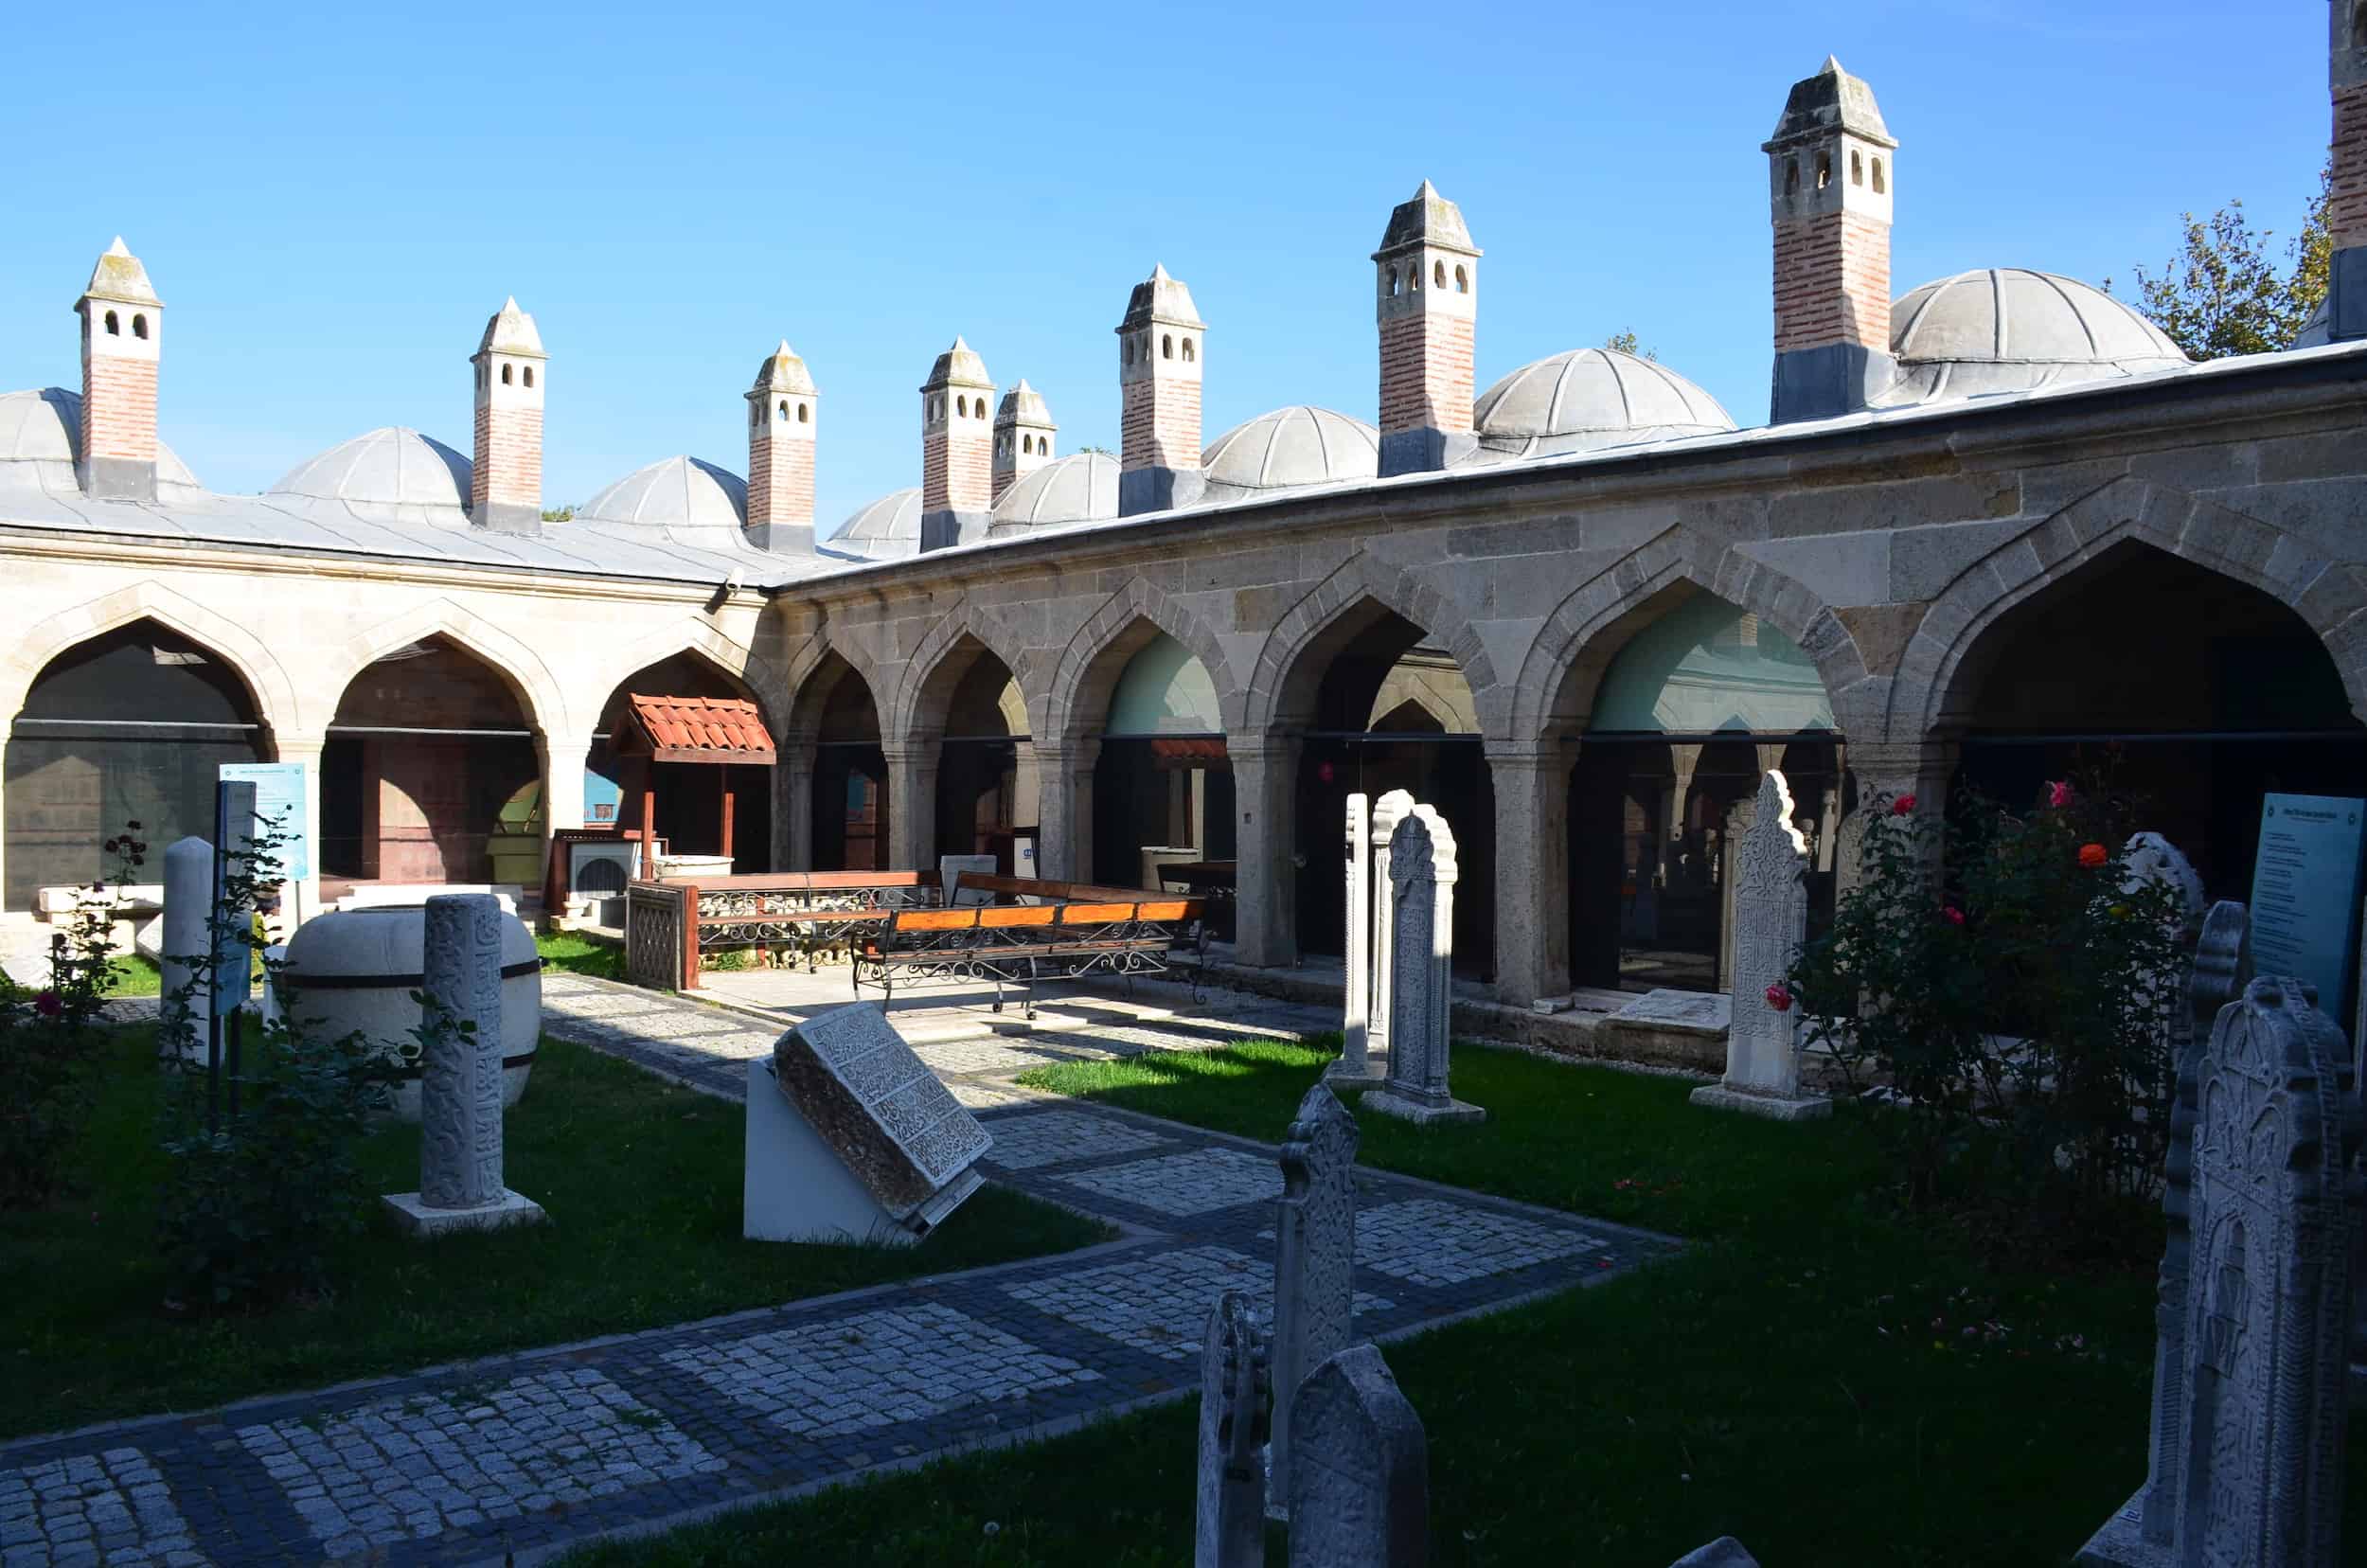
x: 1390, y: 809
x: 2256, y: 1474
x: 460, y: 1076
x: 1421, y: 960
x: 1314, y: 1288
x: 1770, y: 921
x: 1234, y: 1394
x: 1849, y: 854
x: 2152, y: 858
x: 850, y: 1136
x: 1740, y: 816
x: 1360, y: 1488
x: 189, y: 908
x: 1357, y: 1066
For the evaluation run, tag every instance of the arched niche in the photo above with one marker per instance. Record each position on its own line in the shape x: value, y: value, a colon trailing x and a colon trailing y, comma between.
x: 1163, y: 785
x: 1687, y: 716
x: 987, y: 786
x: 851, y: 779
x: 132, y: 725
x: 429, y: 774
x: 2192, y: 693
x: 691, y: 800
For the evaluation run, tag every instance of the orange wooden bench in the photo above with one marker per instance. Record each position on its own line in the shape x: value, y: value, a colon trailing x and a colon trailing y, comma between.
x: 1109, y: 931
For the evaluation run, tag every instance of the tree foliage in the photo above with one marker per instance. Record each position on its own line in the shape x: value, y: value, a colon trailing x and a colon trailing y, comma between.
x: 1625, y: 342
x: 2227, y: 292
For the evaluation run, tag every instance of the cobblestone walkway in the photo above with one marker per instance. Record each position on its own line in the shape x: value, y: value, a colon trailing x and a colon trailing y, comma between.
x: 533, y: 1451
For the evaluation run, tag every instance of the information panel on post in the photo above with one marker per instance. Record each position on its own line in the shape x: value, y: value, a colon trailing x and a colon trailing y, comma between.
x: 282, y: 794
x: 2304, y: 894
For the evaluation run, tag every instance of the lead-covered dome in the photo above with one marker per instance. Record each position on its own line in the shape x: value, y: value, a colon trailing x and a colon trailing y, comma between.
x: 1591, y: 397
x: 2009, y: 329
x: 1286, y: 448
x: 883, y: 531
x: 1081, y: 488
x: 695, y: 500
x: 42, y: 427
x: 386, y: 471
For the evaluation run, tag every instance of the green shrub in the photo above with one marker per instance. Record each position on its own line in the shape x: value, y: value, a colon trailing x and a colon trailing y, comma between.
x: 49, y: 1042
x: 2017, y: 1004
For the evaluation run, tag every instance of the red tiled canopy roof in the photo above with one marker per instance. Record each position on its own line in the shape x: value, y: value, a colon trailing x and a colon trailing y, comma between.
x: 700, y: 729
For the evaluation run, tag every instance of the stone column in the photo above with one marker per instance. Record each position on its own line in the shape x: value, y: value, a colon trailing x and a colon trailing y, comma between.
x: 1532, y: 784
x: 1265, y: 787
x: 562, y: 757
x: 460, y: 1075
x: 911, y: 779
x: 1064, y: 817
x: 1920, y: 768
x: 793, y: 804
x: 307, y: 750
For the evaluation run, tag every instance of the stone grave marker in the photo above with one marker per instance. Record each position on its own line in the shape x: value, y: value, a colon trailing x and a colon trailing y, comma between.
x: 2250, y: 1417
x: 1725, y: 1551
x: 850, y: 1136
x: 1360, y: 1485
x: 1230, y: 1531
x: 1422, y: 957
x: 1314, y: 1291
x: 1849, y: 854
x: 460, y: 1077
x: 188, y: 901
x: 1390, y: 809
x: 2153, y: 858
x: 1357, y: 1067
x: 1740, y: 816
x: 1770, y: 921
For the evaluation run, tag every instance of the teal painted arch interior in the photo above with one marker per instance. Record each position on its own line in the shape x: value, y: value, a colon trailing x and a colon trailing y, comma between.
x: 1164, y: 690
x: 1706, y: 668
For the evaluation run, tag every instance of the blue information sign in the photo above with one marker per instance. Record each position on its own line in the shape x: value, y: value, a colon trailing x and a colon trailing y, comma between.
x: 280, y: 792
x: 2305, y: 892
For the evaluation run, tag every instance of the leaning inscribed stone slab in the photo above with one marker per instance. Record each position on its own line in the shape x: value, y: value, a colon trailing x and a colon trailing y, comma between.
x: 2251, y: 1418
x: 1360, y: 1488
x: 1315, y: 1287
x: 900, y: 1131
x: 1230, y: 1530
x: 1679, y: 1011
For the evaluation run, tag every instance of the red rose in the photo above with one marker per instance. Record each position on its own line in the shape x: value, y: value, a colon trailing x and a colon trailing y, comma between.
x: 1902, y: 805
x: 2059, y: 794
x: 49, y: 1004
x: 2092, y: 855
x: 1952, y: 915
x: 1779, y: 997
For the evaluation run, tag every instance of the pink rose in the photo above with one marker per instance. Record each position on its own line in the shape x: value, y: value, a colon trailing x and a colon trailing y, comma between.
x: 1902, y: 805
x: 1952, y: 915
x: 1779, y: 997
x: 49, y: 1004
x: 2059, y: 794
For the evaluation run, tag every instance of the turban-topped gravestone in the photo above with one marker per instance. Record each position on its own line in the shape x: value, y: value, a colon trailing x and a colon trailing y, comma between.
x: 850, y: 1136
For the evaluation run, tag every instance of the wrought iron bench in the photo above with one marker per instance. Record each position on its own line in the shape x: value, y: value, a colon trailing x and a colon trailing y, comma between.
x: 1114, y: 931
x: 672, y: 926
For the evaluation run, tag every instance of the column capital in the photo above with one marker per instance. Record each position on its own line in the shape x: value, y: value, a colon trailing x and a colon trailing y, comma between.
x: 290, y: 747
x: 919, y: 750
x: 1531, y: 754
x: 1264, y: 746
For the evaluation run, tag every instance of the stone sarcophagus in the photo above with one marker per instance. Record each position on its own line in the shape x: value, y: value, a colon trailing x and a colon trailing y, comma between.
x: 851, y: 1138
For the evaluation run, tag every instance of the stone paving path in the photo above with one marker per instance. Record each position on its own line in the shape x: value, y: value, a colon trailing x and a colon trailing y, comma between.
x: 533, y: 1452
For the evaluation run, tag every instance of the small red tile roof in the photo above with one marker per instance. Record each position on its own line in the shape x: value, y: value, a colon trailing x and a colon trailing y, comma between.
x: 702, y: 729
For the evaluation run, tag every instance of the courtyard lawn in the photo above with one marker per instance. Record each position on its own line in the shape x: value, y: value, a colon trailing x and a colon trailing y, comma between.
x: 641, y: 1179
x: 579, y: 955
x: 1813, y: 1376
x: 135, y: 976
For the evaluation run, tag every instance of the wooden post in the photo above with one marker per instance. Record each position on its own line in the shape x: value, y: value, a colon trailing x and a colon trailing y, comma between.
x: 690, y: 939
x: 649, y: 831
x: 727, y: 772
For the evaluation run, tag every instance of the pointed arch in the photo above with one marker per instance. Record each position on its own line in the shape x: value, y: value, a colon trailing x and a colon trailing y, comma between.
x: 520, y: 667
x: 934, y: 666
x: 1281, y: 691
x: 1943, y: 659
x: 694, y: 635
x: 810, y: 681
x: 1090, y: 662
x: 1565, y: 662
x: 267, y: 682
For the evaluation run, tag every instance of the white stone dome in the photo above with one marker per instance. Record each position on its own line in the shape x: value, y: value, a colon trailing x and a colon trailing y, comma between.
x: 2009, y: 329
x: 885, y: 529
x: 682, y: 496
x: 45, y: 425
x: 1591, y: 397
x: 1290, y: 447
x: 387, y: 467
x: 1081, y: 488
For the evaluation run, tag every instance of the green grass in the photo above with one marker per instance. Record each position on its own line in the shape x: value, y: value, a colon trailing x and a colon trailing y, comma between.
x: 641, y: 1179
x: 135, y: 976
x: 1800, y: 1377
x: 579, y: 955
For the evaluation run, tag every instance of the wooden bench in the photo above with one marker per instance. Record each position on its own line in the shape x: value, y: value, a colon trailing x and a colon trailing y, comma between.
x: 1107, y: 931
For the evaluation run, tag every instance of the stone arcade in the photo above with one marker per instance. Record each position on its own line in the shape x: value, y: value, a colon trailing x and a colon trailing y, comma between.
x: 1578, y: 609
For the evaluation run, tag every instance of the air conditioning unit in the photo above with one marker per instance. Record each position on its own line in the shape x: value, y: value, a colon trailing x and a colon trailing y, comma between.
x: 597, y: 874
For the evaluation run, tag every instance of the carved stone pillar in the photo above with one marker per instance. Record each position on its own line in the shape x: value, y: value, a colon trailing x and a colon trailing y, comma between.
x: 912, y: 770
x: 1064, y: 816
x: 1532, y: 785
x: 1265, y: 788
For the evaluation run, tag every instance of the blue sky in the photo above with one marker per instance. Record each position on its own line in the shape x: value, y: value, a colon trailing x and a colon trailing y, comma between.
x: 333, y: 200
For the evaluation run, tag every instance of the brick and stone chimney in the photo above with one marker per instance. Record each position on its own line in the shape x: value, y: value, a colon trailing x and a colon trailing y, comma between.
x: 956, y: 449
x: 1160, y: 344
x: 505, y: 487
x: 1829, y: 179
x: 1022, y: 436
x: 1426, y: 277
x: 782, y: 412
x: 122, y: 335
x: 2346, y: 211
